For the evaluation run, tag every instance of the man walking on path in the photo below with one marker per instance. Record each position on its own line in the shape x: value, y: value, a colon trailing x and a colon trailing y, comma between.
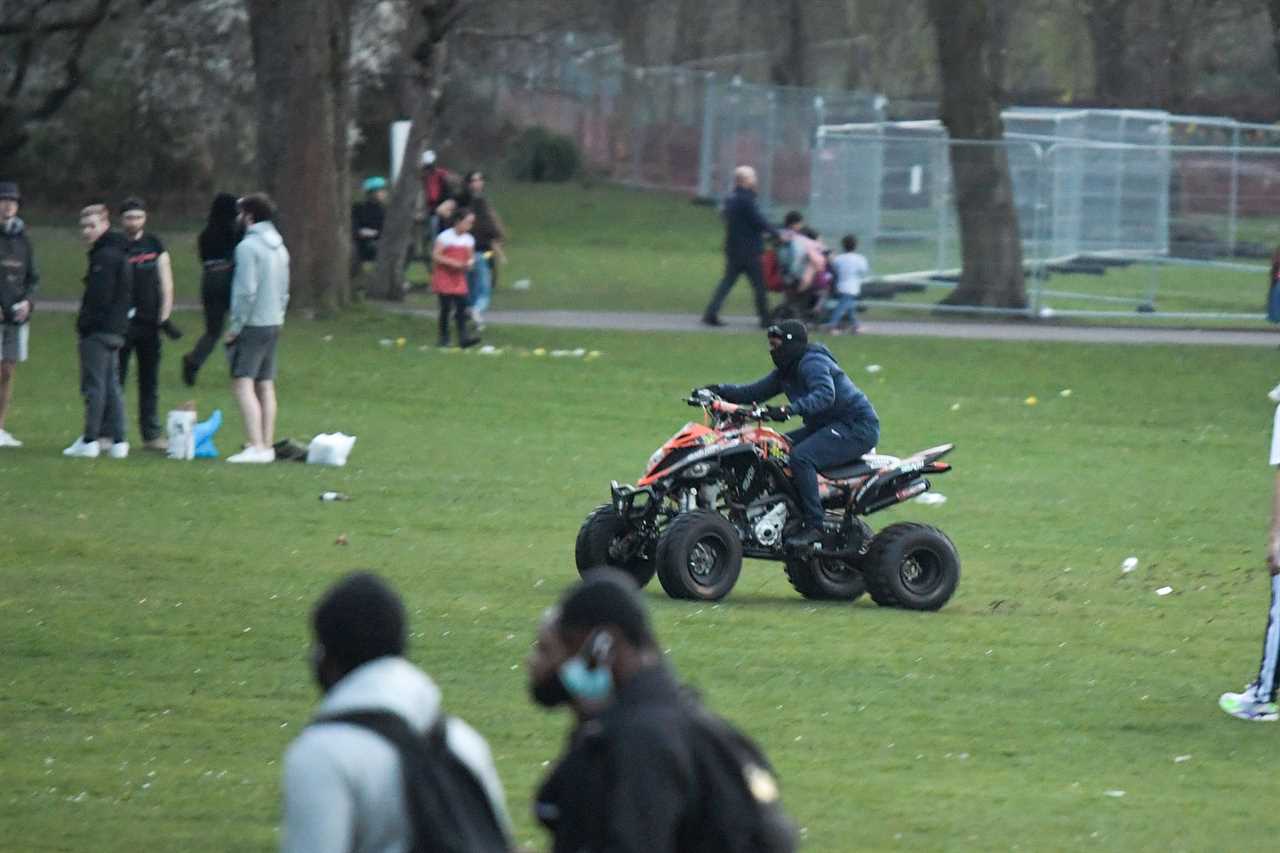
x: 1258, y: 701
x: 102, y: 324
x: 18, y: 282
x: 745, y: 226
x: 259, y: 296
x: 152, y: 303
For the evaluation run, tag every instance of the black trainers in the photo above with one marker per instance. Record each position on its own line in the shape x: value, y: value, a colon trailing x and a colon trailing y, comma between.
x: 709, y: 320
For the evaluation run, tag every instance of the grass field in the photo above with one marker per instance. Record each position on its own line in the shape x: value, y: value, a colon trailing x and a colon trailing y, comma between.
x: 609, y: 248
x: 153, y: 613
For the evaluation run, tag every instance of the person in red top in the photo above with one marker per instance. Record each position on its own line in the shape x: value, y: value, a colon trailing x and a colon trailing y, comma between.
x: 454, y: 254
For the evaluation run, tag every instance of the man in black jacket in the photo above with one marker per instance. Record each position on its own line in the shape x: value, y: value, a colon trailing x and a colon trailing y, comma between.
x: 102, y: 324
x: 745, y: 226
x: 18, y: 282
x: 635, y: 774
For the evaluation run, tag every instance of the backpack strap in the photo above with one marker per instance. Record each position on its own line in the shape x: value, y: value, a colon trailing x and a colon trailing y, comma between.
x: 417, y: 753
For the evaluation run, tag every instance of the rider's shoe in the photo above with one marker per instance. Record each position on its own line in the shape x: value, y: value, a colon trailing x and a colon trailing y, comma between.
x: 806, y: 538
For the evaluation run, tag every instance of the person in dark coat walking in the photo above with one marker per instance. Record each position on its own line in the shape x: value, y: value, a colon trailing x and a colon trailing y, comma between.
x: 745, y: 227
x: 217, y: 247
x: 635, y: 774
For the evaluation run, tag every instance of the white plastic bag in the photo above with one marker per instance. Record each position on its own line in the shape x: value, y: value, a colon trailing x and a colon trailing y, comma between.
x: 330, y: 448
x: 181, y: 429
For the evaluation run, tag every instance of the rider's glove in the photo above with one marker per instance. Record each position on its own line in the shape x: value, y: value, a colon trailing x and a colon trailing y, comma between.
x: 777, y: 413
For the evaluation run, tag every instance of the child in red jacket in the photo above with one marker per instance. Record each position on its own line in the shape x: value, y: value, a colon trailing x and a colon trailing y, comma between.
x: 454, y: 254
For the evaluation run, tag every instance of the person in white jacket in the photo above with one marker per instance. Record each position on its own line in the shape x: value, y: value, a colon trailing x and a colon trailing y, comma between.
x: 259, y: 296
x: 343, y: 788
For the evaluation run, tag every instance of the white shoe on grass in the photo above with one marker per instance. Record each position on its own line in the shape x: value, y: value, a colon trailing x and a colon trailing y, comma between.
x: 254, y: 455
x: 7, y: 439
x: 82, y: 449
x: 119, y: 450
x: 1247, y: 706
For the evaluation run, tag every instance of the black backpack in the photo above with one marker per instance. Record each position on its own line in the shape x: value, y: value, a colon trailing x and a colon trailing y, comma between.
x: 741, y: 808
x: 448, y: 807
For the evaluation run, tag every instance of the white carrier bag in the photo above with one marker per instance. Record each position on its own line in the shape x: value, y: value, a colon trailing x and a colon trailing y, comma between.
x: 330, y: 448
x: 181, y: 428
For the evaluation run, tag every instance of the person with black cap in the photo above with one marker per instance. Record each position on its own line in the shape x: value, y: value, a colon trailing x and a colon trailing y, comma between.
x: 217, y: 245
x: 840, y: 424
x: 152, y: 304
x: 344, y: 790
x: 637, y: 773
x: 18, y: 281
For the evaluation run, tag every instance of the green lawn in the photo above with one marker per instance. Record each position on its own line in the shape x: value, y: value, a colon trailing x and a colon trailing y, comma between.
x: 610, y: 248
x: 153, y: 613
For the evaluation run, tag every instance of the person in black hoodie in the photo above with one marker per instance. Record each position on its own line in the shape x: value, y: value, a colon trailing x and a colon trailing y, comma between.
x: 840, y: 424
x: 18, y: 282
x: 102, y: 324
x: 218, y: 258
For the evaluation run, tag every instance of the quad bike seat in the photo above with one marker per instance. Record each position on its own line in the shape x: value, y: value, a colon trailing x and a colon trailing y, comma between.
x: 848, y: 471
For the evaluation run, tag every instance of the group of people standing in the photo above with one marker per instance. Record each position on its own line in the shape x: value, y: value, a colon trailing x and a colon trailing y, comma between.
x: 125, y: 310
x: 462, y: 239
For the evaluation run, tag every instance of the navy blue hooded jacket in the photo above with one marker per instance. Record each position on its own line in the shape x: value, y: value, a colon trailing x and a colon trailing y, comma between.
x: 744, y: 225
x: 819, y: 391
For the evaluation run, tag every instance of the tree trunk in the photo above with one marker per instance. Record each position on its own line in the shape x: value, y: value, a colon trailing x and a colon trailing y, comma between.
x: 992, y: 248
x: 301, y: 54
x: 789, y: 68
x: 1106, y: 22
x: 424, y: 65
x: 1274, y: 8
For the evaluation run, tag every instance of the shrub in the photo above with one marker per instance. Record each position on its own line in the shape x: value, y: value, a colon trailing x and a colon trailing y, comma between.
x: 539, y: 155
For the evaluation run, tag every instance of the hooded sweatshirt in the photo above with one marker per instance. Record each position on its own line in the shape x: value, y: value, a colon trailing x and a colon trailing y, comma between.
x: 108, y: 288
x: 343, y: 792
x: 260, y: 288
x: 818, y: 390
x: 18, y: 275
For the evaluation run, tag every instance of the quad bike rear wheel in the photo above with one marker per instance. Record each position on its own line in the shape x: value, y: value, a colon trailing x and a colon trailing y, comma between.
x: 827, y: 579
x: 598, y: 542
x: 913, y: 566
x: 699, y: 556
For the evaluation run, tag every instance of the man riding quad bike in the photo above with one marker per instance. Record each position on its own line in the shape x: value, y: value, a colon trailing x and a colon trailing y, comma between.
x: 732, y: 487
x: 840, y: 424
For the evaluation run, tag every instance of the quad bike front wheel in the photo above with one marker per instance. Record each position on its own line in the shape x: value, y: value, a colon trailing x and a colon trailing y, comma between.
x: 699, y: 556
x: 913, y: 566
x: 601, y: 542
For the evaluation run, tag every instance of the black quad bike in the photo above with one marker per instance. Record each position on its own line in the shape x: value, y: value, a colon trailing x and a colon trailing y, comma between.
x: 720, y: 491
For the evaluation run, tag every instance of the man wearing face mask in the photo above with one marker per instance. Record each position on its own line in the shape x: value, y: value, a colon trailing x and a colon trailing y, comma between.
x: 840, y: 424
x: 344, y: 791
x: 634, y: 775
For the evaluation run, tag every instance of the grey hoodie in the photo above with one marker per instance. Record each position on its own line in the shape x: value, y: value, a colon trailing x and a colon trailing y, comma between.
x: 343, y: 792
x: 260, y: 289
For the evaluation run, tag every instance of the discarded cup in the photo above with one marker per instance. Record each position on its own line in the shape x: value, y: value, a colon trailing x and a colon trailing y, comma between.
x: 1164, y: 590
x: 334, y: 496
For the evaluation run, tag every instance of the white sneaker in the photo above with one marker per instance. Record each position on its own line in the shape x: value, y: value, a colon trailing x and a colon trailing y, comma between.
x: 120, y: 450
x: 1274, y: 394
x: 83, y: 449
x: 7, y: 439
x: 254, y: 455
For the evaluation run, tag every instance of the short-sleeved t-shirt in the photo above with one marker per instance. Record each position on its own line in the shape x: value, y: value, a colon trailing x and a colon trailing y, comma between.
x: 851, y: 268
x: 144, y: 256
x: 458, y: 247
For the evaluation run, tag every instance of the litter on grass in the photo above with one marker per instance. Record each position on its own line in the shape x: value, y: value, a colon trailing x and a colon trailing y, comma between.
x: 1164, y: 590
x: 521, y: 284
x: 874, y: 368
x: 1031, y: 401
x: 1114, y: 792
x: 1129, y: 564
x: 1065, y: 392
x: 931, y: 498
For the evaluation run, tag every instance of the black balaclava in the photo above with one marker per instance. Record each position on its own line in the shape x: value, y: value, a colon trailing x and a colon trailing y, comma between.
x: 794, y: 339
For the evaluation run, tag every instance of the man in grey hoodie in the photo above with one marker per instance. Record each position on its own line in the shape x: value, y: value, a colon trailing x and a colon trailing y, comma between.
x: 343, y: 785
x: 259, y: 296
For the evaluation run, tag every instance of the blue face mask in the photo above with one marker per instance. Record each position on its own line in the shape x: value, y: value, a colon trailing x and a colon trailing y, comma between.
x: 582, y: 682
